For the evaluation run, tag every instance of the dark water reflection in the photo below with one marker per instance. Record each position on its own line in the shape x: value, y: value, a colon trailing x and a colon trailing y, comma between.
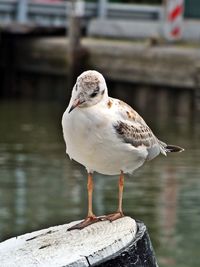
x: 40, y: 187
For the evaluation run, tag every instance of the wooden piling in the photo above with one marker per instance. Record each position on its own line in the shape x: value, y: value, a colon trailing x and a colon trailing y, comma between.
x: 75, y: 50
x: 120, y: 243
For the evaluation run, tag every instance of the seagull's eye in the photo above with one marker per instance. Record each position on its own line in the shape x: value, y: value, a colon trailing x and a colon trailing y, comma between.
x: 93, y: 94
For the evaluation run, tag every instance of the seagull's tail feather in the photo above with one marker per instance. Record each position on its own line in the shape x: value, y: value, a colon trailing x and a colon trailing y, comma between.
x: 164, y: 148
x: 173, y: 148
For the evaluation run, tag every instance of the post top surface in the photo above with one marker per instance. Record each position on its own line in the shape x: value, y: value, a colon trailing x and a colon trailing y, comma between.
x: 56, y: 245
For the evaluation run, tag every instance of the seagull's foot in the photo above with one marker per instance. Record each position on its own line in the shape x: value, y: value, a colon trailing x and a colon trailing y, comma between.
x: 88, y: 221
x: 114, y: 216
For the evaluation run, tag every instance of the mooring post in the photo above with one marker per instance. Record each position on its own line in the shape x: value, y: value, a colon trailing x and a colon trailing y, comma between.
x: 123, y: 242
x: 75, y: 51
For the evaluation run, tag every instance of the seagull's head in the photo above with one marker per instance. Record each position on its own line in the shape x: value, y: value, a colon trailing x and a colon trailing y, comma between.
x: 90, y: 89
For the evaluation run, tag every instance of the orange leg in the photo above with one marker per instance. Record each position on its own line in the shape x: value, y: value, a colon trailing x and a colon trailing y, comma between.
x: 119, y: 213
x: 90, y: 187
x: 121, y: 189
x: 91, y: 218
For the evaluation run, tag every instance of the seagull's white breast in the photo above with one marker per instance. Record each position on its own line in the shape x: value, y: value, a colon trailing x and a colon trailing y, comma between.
x: 91, y: 140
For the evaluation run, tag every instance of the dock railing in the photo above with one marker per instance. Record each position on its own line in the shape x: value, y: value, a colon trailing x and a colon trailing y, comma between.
x: 55, y: 14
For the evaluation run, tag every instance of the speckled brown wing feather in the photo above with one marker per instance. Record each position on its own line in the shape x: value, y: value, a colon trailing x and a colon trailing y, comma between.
x: 135, y: 135
x: 132, y: 129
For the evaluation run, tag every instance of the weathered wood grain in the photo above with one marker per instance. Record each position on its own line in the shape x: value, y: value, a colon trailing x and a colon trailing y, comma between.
x: 139, y: 253
x: 56, y: 246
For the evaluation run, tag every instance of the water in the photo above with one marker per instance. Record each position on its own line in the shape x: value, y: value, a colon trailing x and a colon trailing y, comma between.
x: 40, y: 186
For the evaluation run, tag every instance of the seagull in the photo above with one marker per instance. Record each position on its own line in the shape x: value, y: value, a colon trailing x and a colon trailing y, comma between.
x: 107, y: 136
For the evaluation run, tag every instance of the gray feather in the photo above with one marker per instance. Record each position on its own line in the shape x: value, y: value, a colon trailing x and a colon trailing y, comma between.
x: 138, y: 136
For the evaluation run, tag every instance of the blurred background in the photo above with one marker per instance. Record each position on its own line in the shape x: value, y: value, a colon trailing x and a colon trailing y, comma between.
x: 149, y: 53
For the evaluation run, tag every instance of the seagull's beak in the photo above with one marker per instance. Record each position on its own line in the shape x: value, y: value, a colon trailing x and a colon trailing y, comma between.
x: 76, y: 103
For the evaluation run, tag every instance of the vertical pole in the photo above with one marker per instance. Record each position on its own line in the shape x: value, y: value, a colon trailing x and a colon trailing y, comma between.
x: 80, y: 8
x: 173, y: 19
x: 74, y: 42
x: 102, y: 8
x: 197, y: 93
x: 22, y: 8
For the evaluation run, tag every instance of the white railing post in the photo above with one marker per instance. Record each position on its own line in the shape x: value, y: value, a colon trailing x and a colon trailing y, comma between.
x: 102, y: 8
x: 22, y: 8
x: 80, y: 8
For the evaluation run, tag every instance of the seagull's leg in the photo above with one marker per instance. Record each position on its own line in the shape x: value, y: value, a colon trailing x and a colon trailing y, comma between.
x: 119, y: 213
x: 90, y: 187
x: 91, y: 218
x: 121, y: 189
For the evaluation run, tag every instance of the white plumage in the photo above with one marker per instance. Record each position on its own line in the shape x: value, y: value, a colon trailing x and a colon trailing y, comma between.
x: 105, y: 134
x: 91, y: 136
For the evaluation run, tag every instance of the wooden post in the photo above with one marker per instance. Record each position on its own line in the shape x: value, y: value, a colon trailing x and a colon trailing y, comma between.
x: 120, y: 243
x: 75, y: 51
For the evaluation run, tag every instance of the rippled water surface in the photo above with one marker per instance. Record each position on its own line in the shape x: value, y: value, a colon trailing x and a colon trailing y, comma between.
x: 40, y: 186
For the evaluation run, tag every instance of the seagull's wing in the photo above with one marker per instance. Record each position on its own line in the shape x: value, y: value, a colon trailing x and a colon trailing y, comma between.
x: 132, y: 129
x: 135, y: 134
